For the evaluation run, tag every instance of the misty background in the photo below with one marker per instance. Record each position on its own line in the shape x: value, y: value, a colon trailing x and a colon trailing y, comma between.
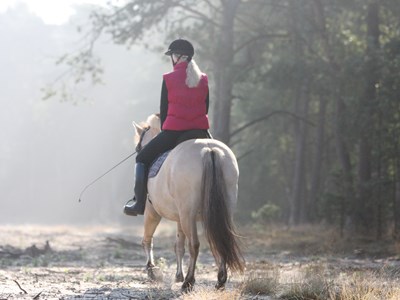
x: 306, y: 93
x: 51, y: 149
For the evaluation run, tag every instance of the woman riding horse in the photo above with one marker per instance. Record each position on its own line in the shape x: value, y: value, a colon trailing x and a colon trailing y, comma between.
x: 183, y: 114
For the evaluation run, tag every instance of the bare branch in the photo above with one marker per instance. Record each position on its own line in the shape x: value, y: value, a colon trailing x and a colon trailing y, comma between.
x: 25, y: 292
x: 203, y: 16
x: 241, y: 156
x: 260, y: 37
x: 267, y: 116
x: 250, y: 23
x: 212, y: 6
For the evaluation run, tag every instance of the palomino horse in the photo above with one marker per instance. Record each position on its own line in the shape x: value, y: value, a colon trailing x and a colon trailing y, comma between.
x: 197, y: 182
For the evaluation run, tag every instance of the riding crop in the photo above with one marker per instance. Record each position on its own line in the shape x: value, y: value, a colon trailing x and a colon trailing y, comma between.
x: 101, y: 176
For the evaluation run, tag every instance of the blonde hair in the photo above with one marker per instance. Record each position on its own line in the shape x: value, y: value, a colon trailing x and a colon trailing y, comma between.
x: 193, y: 72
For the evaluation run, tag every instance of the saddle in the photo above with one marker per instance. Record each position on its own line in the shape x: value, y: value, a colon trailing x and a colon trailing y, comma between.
x: 157, y: 164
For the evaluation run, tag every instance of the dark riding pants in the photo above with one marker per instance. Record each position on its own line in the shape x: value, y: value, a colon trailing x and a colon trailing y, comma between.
x: 167, y: 140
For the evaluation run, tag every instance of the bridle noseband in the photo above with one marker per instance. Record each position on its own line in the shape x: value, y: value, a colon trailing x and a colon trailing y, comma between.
x: 139, y: 145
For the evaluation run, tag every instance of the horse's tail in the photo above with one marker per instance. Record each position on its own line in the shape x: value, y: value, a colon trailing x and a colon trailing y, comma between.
x: 216, y: 216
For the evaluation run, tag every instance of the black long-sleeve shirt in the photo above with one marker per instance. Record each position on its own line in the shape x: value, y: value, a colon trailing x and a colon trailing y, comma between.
x: 164, y: 102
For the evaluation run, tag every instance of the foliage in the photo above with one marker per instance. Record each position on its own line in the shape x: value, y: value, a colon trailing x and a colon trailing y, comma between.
x: 305, y: 92
x: 267, y: 213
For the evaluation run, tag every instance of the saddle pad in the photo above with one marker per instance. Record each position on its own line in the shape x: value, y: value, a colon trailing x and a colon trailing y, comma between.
x: 157, y: 163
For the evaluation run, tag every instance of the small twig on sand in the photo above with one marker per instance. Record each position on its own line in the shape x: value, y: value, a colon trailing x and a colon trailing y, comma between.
x: 25, y: 292
x: 37, y: 296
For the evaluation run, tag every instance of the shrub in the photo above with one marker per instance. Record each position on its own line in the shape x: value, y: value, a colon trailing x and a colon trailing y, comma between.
x: 267, y: 213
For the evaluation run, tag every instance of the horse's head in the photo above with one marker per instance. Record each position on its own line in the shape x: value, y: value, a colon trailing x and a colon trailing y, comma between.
x: 146, y: 131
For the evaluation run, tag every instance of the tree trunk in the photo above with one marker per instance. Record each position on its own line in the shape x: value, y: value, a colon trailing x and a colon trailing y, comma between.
x: 346, y: 212
x: 380, y: 167
x: 299, y: 204
x: 301, y: 101
x: 368, y: 101
x: 223, y: 76
x: 317, y: 164
x: 396, y: 198
x: 339, y: 121
x: 397, y: 206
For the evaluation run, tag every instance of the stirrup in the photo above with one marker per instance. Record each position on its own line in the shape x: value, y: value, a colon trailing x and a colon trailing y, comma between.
x: 133, y: 209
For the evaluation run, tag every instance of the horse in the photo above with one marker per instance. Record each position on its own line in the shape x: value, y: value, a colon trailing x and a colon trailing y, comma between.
x: 198, y: 181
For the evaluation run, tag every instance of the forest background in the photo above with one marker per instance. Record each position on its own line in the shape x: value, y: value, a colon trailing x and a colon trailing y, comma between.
x: 305, y: 92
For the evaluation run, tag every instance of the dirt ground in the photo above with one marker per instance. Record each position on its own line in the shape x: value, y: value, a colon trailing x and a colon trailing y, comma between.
x: 107, y: 262
x: 66, y: 262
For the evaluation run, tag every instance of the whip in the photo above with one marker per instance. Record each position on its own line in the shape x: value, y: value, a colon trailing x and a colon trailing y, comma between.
x: 101, y: 176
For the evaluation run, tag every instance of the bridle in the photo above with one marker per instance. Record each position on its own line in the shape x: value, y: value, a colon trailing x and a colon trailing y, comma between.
x: 139, y: 145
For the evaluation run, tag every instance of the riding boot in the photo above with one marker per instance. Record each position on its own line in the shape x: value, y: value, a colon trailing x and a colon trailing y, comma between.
x: 139, y: 201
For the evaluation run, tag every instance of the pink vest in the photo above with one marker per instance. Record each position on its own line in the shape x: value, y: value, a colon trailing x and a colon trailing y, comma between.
x: 186, y: 106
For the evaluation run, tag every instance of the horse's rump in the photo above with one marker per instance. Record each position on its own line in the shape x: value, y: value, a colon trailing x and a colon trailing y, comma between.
x: 177, y: 186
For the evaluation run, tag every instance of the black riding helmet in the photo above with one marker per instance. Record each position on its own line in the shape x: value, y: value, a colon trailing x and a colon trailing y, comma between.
x: 181, y: 47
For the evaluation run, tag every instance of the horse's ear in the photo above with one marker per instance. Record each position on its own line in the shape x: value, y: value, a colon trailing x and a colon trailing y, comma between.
x: 138, y: 128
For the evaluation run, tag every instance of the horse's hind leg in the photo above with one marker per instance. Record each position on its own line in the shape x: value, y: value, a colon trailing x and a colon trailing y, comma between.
x: 151, y: 221
x: 222, y: 275
x: 179, y: 251
x: 222, y: 271
x: 190, y: 229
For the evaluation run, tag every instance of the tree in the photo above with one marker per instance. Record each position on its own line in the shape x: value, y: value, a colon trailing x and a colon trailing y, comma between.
x: 201, y: 21
x: 306, y: 92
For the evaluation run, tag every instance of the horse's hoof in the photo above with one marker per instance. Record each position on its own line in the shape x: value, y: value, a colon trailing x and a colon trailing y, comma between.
x: 187, y: 287
x: 155, y: 274
x: 179, y: 278
x: 220, y: 286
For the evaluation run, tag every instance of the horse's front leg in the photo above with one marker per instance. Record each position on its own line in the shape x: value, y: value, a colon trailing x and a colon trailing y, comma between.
x: 179, y: 252
x: 151, y: 221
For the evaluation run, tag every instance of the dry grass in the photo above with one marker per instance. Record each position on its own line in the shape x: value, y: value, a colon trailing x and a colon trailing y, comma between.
x: 299, y: 263
x: 366, y: 286
x: 319, y: 265
x: 261, y: 283
x: 308, y: 286
x: 206, y: 293
x: 315, y: 283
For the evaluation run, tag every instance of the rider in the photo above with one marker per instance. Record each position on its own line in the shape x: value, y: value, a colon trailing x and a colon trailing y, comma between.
x: 183, y: 115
